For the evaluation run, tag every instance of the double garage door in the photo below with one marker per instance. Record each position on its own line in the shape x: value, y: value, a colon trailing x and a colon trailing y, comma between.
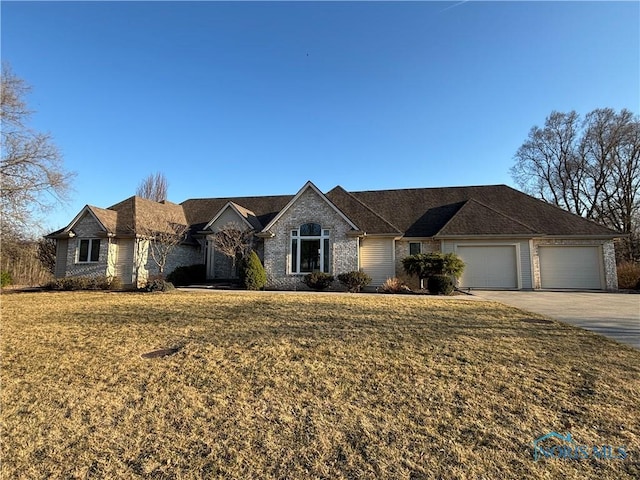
x: 561, y: 267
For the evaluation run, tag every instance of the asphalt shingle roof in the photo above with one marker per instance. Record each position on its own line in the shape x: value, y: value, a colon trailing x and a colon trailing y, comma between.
x: 200, y: 211
x: 424, y: 212
x: 418, y: 212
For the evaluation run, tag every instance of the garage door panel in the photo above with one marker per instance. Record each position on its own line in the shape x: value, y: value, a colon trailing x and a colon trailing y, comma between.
x: 492, y: 266
x: 570, y: 267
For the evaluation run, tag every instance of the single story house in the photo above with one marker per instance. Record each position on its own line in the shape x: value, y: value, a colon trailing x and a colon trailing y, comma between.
x: 507, y: 239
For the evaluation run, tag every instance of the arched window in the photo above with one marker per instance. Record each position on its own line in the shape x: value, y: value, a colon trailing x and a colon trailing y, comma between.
x: 310, y: 249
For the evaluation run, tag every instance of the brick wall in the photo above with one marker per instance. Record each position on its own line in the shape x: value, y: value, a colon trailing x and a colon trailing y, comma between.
x: 181, y: 255
x: 309, y: 208
x: 87, y: 228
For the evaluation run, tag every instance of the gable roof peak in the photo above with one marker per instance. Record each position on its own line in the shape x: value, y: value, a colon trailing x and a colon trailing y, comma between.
x: 309, y: 185
x: 246, y: 215
x: 479, y: 218
x: 103, y: 217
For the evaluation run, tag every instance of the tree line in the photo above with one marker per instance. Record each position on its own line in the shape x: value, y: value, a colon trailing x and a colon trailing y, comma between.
x: 589, y: 166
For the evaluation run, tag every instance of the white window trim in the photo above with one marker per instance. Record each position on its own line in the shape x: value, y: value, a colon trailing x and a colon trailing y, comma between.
x: 88, y: 260
x: 325, y: 234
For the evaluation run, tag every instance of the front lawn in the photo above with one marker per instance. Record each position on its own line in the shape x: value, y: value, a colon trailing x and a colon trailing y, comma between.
x: 305, y: 386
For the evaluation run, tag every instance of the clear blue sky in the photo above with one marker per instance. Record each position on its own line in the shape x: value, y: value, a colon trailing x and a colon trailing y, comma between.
x: 232, y: 99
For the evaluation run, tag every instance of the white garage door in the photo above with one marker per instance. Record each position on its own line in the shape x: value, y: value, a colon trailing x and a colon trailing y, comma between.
x: 570, y: 267
x: 493, y: 266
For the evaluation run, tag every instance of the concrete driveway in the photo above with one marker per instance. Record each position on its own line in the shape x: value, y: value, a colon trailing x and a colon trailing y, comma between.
x: 615, y: 315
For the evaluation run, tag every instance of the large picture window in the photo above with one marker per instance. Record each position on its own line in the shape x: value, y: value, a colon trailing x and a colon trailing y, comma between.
x: 310, y: 249
x: 89, y: 250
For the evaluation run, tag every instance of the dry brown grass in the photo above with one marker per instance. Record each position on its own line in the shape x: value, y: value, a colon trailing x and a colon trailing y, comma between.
x: 304, y: 386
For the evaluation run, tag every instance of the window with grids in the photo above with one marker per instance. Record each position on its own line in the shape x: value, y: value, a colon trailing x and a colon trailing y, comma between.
x: 310, y: 249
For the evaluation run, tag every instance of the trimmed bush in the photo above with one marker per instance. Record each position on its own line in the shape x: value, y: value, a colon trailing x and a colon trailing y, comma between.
x: 84, y: 283
x: 424, y: 265
x: 394, y: 285
x: 629, y: 276
x: 158, y: 286
x: 318, y: 280
x: 188, y: 274
x: 252, y: 273
x: 354, y: 281
x: 116, y: 284
x: 65, y: 283
x: 5, y: 279
x: 440, y: 285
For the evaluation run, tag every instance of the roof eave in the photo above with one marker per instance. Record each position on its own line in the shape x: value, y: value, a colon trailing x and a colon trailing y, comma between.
x: 395, y: 235
x: 472, y: 236
x: 60, y: 235
x: 587, y: 236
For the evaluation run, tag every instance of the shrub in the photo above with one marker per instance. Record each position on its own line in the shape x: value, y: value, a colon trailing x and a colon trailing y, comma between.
x: 440, y: 285
x: 629, y: 276
x: 158, y: 286
x: 394, y: 285
x: 252, y: 273
x: 424, y: 265
x: 354, y: 281
x: 5, y: 279
x: 84, y: 283
x: 115, y: 283
x: 318, y: 280
x: 64, y: 283
x: 187, y: 275
x: 97, y: 283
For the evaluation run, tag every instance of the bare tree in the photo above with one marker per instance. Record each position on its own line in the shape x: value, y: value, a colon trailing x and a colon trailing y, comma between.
x: 590, y: 167
x: 160, y: 229
x: 154, y: 187
x: 47, y: 254
x: 32, y: 175
x: 162, y: 243
x: 234, y: 242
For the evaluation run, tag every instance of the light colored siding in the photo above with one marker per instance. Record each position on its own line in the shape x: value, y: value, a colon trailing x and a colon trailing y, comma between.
x: 377, y: 259
x: 61, y: 257
x: 124, y: 261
